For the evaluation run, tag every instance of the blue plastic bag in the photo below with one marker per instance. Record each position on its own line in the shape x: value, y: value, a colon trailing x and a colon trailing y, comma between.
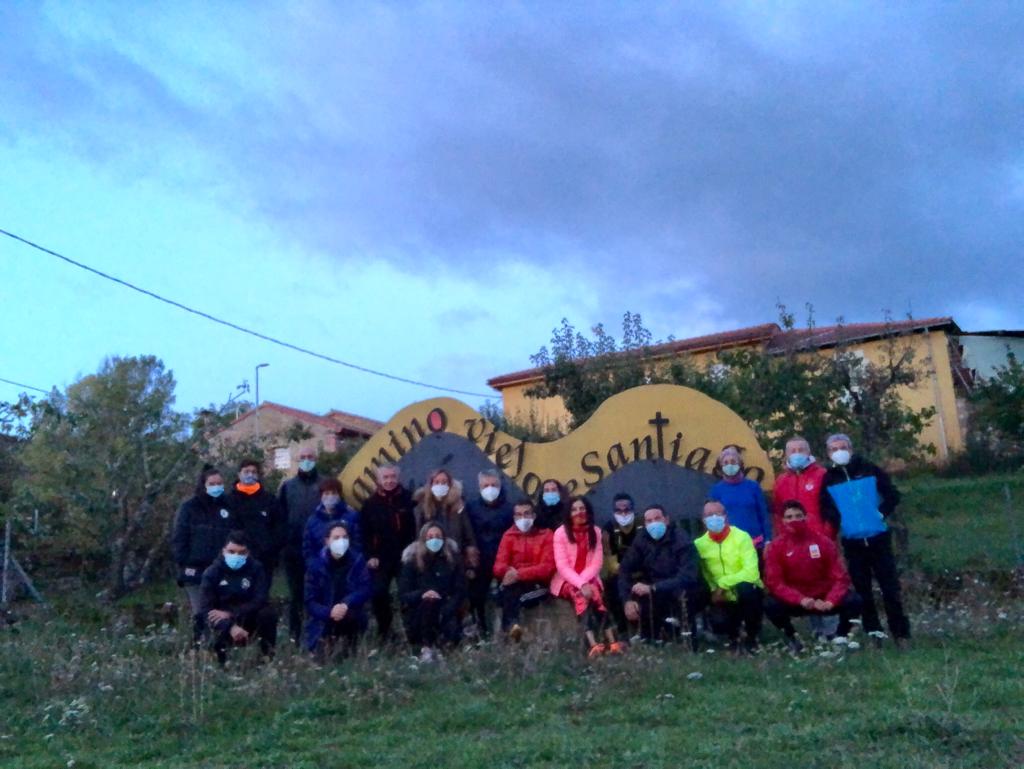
x: 858, y: 503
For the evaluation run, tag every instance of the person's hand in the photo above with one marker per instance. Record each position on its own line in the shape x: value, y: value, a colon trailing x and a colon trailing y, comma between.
x: 215, y: 616
x: 431, y: 595
x: 239, y: 634
x: 719, y: 596
x: 807, y: 603
x: 338, y: 612
x: 588, y: 591
x: 510, y: 578
x: 641, y: 589
x: 632, y: 611
x: 473, y: 556
x: 373, y: 563
x: 823, y: 605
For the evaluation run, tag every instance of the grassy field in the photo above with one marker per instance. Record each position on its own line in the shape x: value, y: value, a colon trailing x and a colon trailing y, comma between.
x: 84, y: 686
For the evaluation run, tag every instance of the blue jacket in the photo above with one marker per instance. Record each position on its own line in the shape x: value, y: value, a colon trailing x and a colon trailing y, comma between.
x: 746, y: 506
x: 319, y: 523
x: 489, y: 522
x: 321, y: 597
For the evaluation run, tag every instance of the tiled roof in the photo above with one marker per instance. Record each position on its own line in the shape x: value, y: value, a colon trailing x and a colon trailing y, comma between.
x: 335, y: 421
x: 770, y: 334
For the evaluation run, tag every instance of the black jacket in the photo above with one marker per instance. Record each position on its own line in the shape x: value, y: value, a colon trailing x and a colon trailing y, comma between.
x: 445, y: 577
x: 298, y: 498
x: 388, y: 525
x: 857, y: 468
x: 239, y: 591
x: 260, y: 516
x: 490, y: 521
x: 671, y: 564
x: 619, y: 541
x: 200, y: 530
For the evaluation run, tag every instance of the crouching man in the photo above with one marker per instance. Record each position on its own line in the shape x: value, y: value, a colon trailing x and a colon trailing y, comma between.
x: 234, y: 599
x: 524, y: 565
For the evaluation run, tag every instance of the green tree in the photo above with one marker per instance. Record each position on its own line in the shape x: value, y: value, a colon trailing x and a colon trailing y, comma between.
x: 998, y: 403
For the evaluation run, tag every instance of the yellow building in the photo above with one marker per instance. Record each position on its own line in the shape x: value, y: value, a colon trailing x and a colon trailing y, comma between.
x: 936, y: 343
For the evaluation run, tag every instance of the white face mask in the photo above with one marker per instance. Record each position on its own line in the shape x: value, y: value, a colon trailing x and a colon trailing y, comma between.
x: 339, y: 547
x: 330, y: 502
x: 490, y: 493
x: 840, y: 456
x: 625, y: 519
x: 524, y: 524
x: 440, y: 490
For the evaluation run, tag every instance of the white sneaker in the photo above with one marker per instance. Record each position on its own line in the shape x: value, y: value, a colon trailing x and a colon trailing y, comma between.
x: 841, y: 640
x: 427, y: 654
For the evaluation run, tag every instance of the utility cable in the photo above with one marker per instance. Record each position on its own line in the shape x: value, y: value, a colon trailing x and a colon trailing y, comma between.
x: 27, y: 387
x: 235, y: 326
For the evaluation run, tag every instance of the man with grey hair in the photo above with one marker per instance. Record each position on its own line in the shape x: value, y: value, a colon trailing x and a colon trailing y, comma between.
x: 490, y: 515
x: 861, y: 496
x: 801, y: 481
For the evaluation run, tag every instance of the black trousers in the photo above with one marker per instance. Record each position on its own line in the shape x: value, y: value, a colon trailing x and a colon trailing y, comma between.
x: 728, y: 618
x: 512, y: 602
x: 873, y: 558
x: 781, y: 614
x: 428, y: 623
x: 347, y: 632
x: 613, y: 602
x: 383, y: 577
x: 479, y: 590
x: 295, y: 572
x: 262, y: 624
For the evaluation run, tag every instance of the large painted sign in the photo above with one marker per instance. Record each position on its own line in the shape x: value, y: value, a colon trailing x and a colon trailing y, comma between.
x: 658, y: 442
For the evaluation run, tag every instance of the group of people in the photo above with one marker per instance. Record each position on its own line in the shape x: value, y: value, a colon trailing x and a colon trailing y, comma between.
x: 815, y: 550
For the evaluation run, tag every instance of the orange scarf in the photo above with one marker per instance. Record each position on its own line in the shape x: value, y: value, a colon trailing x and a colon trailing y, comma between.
x: 248, y: 488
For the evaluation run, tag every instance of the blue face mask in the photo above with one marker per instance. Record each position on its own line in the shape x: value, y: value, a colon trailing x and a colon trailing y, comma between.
x: 715, y: 523
x: 551, y: 498
x: 235, y: 561
x: 215, y: 491
x: 306, y: 465
x: 248, y: 478
x: 434, y: 544
x: 730, y: 470
x: 656, y: 529
x: 798, y: 461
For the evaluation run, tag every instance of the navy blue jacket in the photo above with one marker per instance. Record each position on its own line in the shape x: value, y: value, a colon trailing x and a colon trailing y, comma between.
x: 490, y: 521
x: 319, y: 523
x: 671, y: 564
x: 321, y: 595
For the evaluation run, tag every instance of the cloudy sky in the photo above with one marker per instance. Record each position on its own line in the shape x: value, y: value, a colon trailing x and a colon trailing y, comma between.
x: 427, y: 189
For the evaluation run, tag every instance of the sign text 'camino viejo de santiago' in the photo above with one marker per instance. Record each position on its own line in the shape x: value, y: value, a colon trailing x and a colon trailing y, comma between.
x: 659, y: 442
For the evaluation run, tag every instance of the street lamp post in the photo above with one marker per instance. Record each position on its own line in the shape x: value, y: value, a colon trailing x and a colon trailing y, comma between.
x: 262, y: 365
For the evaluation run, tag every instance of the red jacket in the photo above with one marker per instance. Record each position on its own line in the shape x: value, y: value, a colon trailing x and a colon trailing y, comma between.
x: 805, y: 487
x: 530, y: 554
x: 808, y: 567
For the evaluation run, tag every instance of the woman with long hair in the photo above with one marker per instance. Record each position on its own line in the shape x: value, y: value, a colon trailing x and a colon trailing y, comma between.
x: 440, y: 500
x: 432, y: 589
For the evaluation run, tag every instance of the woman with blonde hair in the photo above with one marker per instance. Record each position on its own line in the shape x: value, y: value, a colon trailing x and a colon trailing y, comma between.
x: 440, y: 499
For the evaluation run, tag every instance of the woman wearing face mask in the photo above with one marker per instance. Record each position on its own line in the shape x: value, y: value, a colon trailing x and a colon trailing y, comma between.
x: 200, y: 528
x: 331, y: 510
x: 431, y: 589
x: 578, y: 561
x: 336, y: 591
x: 742, y: 497
x: 552, y: 505
x: 441, y: 500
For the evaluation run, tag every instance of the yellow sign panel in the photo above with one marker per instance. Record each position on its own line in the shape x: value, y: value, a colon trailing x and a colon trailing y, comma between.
x: 667, y: 422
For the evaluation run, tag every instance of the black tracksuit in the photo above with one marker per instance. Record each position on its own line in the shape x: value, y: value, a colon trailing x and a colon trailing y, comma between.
x: 298, y: 498
x: 671, y: 565
x: 619, y: 542
x: 428, y: 621
x: 201, y: 528
x: 871, y: 557
x: 244, y: 593
x: 388, y: 527
x: 260, y: 517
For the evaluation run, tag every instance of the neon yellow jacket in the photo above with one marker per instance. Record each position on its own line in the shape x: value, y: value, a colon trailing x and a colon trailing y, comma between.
x: 726, y: 564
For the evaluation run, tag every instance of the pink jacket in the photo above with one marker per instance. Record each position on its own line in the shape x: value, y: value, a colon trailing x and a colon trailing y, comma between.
x: 565, y: 560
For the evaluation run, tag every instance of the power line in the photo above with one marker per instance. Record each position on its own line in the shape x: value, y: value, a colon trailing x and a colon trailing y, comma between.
x: 235, y: 326
x: 27, y: 387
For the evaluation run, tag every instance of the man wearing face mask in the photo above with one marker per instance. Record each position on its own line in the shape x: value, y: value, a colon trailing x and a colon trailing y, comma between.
x: 332, y: 509
x: 490, y: 515
x: 298, y: 498
x: 524, y: 564
x: 728, y: 563
x: 258, y: 515
x: 802, y: 480
x: 389, y: 526
x: 862, y: 496
x: 234, y: 599
x: 617, y: 536
x: 656, y: 572
x: 805, y: 575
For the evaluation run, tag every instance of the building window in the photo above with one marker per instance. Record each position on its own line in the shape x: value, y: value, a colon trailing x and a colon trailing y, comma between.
x: 282, y: 459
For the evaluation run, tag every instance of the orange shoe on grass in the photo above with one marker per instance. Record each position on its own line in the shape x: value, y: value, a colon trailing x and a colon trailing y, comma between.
x: 596, y: 651
x: 617, y: 647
